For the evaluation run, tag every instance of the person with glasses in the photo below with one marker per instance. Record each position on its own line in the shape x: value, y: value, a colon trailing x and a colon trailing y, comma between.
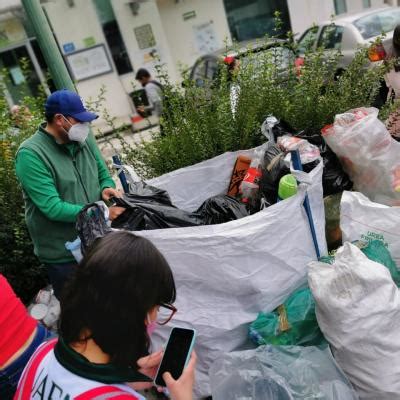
x: 119, y: 293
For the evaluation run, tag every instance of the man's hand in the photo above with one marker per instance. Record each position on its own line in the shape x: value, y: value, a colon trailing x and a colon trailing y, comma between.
x: 115, y: 212
x: 140, y: 109
x: 182, y: 389
x: 107, y: 193
x: 147, y: 366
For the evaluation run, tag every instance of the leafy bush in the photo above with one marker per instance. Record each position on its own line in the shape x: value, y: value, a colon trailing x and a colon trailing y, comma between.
x: 199, y: 123
x: 17, y: 261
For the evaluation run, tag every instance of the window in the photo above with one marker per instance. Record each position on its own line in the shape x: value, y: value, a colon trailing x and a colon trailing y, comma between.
x: 199, y: 72
x: 366, y: 3
x: 113, y: 36
x: 340, y: 7
x: 378, y: 23
x: 307, y: 41
x: 331, y: 37
x: 253, y: 19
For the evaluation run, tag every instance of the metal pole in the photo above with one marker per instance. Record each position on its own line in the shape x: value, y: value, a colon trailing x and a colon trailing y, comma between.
x: 48, y: 45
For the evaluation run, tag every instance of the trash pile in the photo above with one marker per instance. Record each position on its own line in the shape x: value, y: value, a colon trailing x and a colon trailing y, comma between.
x: 247, y: 236
x: 45, y: 308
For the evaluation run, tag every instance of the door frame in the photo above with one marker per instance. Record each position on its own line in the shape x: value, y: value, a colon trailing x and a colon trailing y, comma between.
x: 35, y: 65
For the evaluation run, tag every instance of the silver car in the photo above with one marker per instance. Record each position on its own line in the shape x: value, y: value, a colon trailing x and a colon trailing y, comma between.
x: 348, y: 32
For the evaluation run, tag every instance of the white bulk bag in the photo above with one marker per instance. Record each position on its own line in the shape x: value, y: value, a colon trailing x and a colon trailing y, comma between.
x: 362, y: 219
x: 225, y: 274
x: 358, y: 311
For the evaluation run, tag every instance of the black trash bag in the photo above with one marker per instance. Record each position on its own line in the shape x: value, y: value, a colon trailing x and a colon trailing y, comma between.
x: 334, y: 179
x: 91, y: 225
x: 313, y: 137
x: 220, y: 209
x: 310, y: 166
x: 274, y: 169
x: 147, y: 215
x: 282, y: 128
x: 149, y: 194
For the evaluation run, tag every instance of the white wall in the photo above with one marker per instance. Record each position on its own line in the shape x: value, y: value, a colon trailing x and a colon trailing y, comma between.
x: 148, y: 14
x: 73, y: 24
x: 180, y: 33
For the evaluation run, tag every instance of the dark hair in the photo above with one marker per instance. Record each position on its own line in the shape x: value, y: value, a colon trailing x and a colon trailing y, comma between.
x: 118, y: 282
x: 49, y: 117
x: 142, y: 73
x: 396, y: 41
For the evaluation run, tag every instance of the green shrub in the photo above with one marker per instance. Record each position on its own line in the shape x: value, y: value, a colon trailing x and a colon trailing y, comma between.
x: 17, y: 261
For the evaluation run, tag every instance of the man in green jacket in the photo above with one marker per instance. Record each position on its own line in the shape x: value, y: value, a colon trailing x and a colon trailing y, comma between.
x: 61, y: 169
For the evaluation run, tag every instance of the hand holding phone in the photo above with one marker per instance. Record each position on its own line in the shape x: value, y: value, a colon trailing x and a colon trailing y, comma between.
x: 176, y: 356
x: 182, y: 389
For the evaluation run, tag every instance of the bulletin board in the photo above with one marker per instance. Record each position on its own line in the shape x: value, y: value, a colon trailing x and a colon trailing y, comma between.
x: 89, y: 63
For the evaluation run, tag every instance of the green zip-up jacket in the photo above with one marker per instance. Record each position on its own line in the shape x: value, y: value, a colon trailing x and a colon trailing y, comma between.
x: 57, y: 181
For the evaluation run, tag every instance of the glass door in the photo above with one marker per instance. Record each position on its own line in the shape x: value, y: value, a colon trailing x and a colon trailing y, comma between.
x: 19, y: 83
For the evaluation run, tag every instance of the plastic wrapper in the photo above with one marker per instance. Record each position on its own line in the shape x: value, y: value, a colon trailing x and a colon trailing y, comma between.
x: 46, y: 308
x: 308, y: 152
x: 368, y: 154
x: 293, y: 323
x: 358, y: 311
x: 91, y: 224
x: 220, y: 209
x: 279, y: 373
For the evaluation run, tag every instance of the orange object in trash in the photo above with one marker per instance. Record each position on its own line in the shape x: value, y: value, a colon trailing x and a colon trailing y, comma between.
x: 239, y: 171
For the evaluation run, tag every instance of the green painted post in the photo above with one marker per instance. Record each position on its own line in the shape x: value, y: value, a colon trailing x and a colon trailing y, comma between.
x: 48, y: 45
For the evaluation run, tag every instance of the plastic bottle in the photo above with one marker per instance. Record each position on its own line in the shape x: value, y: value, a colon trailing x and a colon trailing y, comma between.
x: 287, y: 187
x: 250, y: 184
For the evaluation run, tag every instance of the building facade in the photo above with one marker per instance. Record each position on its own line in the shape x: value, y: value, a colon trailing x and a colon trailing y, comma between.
x: 104, y: 42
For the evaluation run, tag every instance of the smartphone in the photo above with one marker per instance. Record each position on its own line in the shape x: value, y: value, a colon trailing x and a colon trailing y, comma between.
x: 176, y: 354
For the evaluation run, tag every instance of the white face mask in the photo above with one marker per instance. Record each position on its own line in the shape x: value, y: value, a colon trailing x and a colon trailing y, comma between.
x: 78, y: 132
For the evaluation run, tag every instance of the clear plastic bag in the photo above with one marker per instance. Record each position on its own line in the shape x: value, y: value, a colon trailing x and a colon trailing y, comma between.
x: 368, y: 154
x: 279, y: 373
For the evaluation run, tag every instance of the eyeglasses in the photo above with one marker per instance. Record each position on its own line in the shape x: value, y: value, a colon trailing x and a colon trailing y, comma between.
x: 165, y: 313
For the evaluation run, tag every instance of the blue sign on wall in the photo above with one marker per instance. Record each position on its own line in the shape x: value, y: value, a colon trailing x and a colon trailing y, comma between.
x: 68, y: 47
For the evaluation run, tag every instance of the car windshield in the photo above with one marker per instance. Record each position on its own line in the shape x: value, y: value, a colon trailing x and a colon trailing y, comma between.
x: 281, y: 55
x: 375, y: 24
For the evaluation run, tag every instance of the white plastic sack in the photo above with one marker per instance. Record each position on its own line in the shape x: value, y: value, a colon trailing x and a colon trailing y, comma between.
x: 358, y: 311
x: 279, y: 373
x: 368, y: 154
x: 361, y: 219
x: 225, y: 274
x: 189, y: 187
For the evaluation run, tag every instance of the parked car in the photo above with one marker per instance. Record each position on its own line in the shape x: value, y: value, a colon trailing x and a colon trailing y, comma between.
x: 350, y: 31
x: 206, y: 68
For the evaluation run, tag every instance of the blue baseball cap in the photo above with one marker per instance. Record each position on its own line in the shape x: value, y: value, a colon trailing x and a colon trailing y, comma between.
x: 69, y: 104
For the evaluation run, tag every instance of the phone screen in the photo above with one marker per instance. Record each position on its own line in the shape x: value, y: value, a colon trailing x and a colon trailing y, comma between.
x: 175, y: 354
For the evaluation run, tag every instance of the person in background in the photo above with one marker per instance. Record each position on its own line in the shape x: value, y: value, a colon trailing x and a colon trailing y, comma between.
x: 20, y: 335
x: 108, y: 311
x: 60, y: 169
x: 154, y: 93
x: 392, y: 79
